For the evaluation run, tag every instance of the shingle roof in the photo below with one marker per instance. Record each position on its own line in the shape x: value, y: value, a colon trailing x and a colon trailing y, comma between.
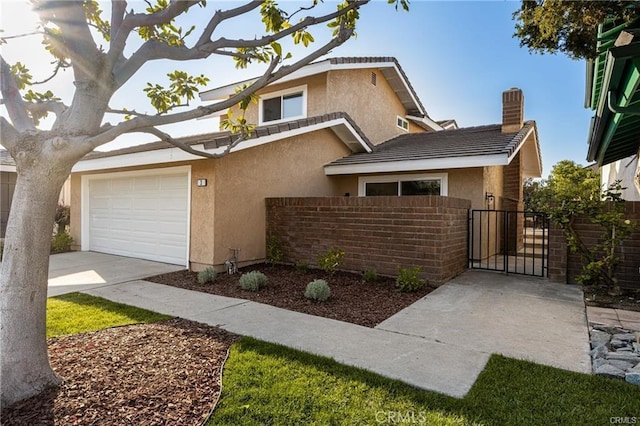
x: 220, y: 139
x: 464, y: 142
x: 6, y: 159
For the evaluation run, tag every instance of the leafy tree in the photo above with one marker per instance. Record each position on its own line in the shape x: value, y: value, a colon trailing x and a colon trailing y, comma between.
x: 531, y: 193
x: 570, y: 27
x: 574, y: 192
x: 96, y: 45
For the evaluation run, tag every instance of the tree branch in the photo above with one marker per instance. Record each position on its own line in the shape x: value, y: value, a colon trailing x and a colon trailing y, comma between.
x: 16, y: 106
x: 71, y: 19
x: 118, y: 9
x: 187, y: 148
x: 153, y: 50
x: 135, y: 20
x: 221, y: 16
x: 111, y: 132
x: 9, y: 136
x: 55, y: 107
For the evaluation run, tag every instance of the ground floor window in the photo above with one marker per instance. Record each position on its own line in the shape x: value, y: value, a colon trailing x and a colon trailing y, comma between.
x: 428, y: 184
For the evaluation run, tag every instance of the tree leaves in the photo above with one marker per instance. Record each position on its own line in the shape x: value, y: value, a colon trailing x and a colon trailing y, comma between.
x: 183, y: 88
x: 22, y: 75
x: 569, y: 27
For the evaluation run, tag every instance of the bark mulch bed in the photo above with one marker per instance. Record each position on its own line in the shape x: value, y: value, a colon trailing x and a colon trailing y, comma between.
x: 144, y: 374
x: 352, y: 299
x: 599, y: 296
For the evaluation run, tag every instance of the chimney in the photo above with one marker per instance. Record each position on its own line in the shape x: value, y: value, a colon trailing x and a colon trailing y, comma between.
x: 512, y: 110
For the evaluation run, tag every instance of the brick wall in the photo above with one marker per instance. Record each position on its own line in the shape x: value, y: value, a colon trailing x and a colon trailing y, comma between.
x: 564, y: 267
x: 381, y: 233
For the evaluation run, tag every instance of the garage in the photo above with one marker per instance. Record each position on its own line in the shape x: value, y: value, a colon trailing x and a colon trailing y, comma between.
x: 142, y: 214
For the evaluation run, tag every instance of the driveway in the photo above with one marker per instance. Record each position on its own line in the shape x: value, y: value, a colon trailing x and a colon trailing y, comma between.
x: 520, y: 317
x: 83, y: 270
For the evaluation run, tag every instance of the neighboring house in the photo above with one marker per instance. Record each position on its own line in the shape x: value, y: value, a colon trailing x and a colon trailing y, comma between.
x: 8, y: 177
x: 338, y: 127
x: 7, y: 186
x: 613, y: 92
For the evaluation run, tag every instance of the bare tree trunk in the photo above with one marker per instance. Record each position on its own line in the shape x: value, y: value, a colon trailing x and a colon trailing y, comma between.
x: 25, y: 369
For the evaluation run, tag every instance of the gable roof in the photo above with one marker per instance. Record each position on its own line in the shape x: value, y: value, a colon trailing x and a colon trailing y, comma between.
x: 163, y: 152
x: 7, y: 163
x: 457, y: 148
x: 388, y: 66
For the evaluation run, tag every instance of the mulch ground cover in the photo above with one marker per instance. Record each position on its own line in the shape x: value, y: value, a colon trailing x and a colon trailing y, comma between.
x: 352, y: 299
x: 599, y: 296
x: 144, y: 374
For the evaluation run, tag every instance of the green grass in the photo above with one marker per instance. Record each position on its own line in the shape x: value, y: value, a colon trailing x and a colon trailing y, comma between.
x: 78, y: 313
x: 270, y: 384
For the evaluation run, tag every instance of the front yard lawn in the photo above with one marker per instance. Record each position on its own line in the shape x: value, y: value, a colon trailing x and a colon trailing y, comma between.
x: 167, y: 372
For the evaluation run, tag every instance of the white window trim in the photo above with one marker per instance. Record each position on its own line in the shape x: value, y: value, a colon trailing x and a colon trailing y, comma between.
x: 403, y: 120
x: 280, y: 93
x: 442, y: 177
x: 84, y: 199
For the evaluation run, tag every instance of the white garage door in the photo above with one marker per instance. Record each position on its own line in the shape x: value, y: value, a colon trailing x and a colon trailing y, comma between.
x: 140, y: 215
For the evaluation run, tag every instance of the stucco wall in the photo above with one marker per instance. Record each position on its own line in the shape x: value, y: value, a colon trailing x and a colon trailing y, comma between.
x: 316, y: 97
x: 291, y: 167
x: 373, y: 108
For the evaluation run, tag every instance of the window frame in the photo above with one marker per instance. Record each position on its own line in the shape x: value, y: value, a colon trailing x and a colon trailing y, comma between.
x: 403, y: 121
x: 399, y: 178
x: 281, y: 94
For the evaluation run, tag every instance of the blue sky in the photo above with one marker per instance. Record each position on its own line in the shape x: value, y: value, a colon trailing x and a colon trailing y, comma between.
x: 459, y: 56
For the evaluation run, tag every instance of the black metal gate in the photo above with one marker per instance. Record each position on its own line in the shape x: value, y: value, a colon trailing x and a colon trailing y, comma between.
x: 515, y: 242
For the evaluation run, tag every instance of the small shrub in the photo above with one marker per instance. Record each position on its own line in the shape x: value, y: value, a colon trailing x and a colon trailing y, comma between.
x: 317, y: 290
x: 61, y: 243
x: 370, y: 276
x: 207, y: 275
x: 331, y: 260
x: 253, y: 281
x: 302, y: 267
x: 62, y: 219
x: 408, y: 279
x: 274, y: 250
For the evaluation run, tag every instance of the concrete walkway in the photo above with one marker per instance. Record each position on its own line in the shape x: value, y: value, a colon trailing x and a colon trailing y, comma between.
x: 629, y: 320
x: 520, y: 317
x: 82, y: 270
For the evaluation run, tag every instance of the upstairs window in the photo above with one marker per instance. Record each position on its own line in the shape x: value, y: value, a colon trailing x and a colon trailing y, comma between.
x: 402, y: 123
x: 283, y: 105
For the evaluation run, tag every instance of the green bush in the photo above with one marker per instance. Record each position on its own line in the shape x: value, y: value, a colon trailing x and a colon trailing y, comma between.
x: 408, y: 279
x: 61, y: 243
x: 370, y: 276
x: 302, y: 267
x: 253, y: 280
x: 274, y: 250
x: 331, y: 260
x: 317, y: 290
x: 207, y: 275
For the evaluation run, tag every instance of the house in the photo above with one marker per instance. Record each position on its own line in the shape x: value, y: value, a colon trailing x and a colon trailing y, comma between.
x: 8, y: 178
x: 337, y: 127
x: 613, y: 92
x: 7, y: 186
